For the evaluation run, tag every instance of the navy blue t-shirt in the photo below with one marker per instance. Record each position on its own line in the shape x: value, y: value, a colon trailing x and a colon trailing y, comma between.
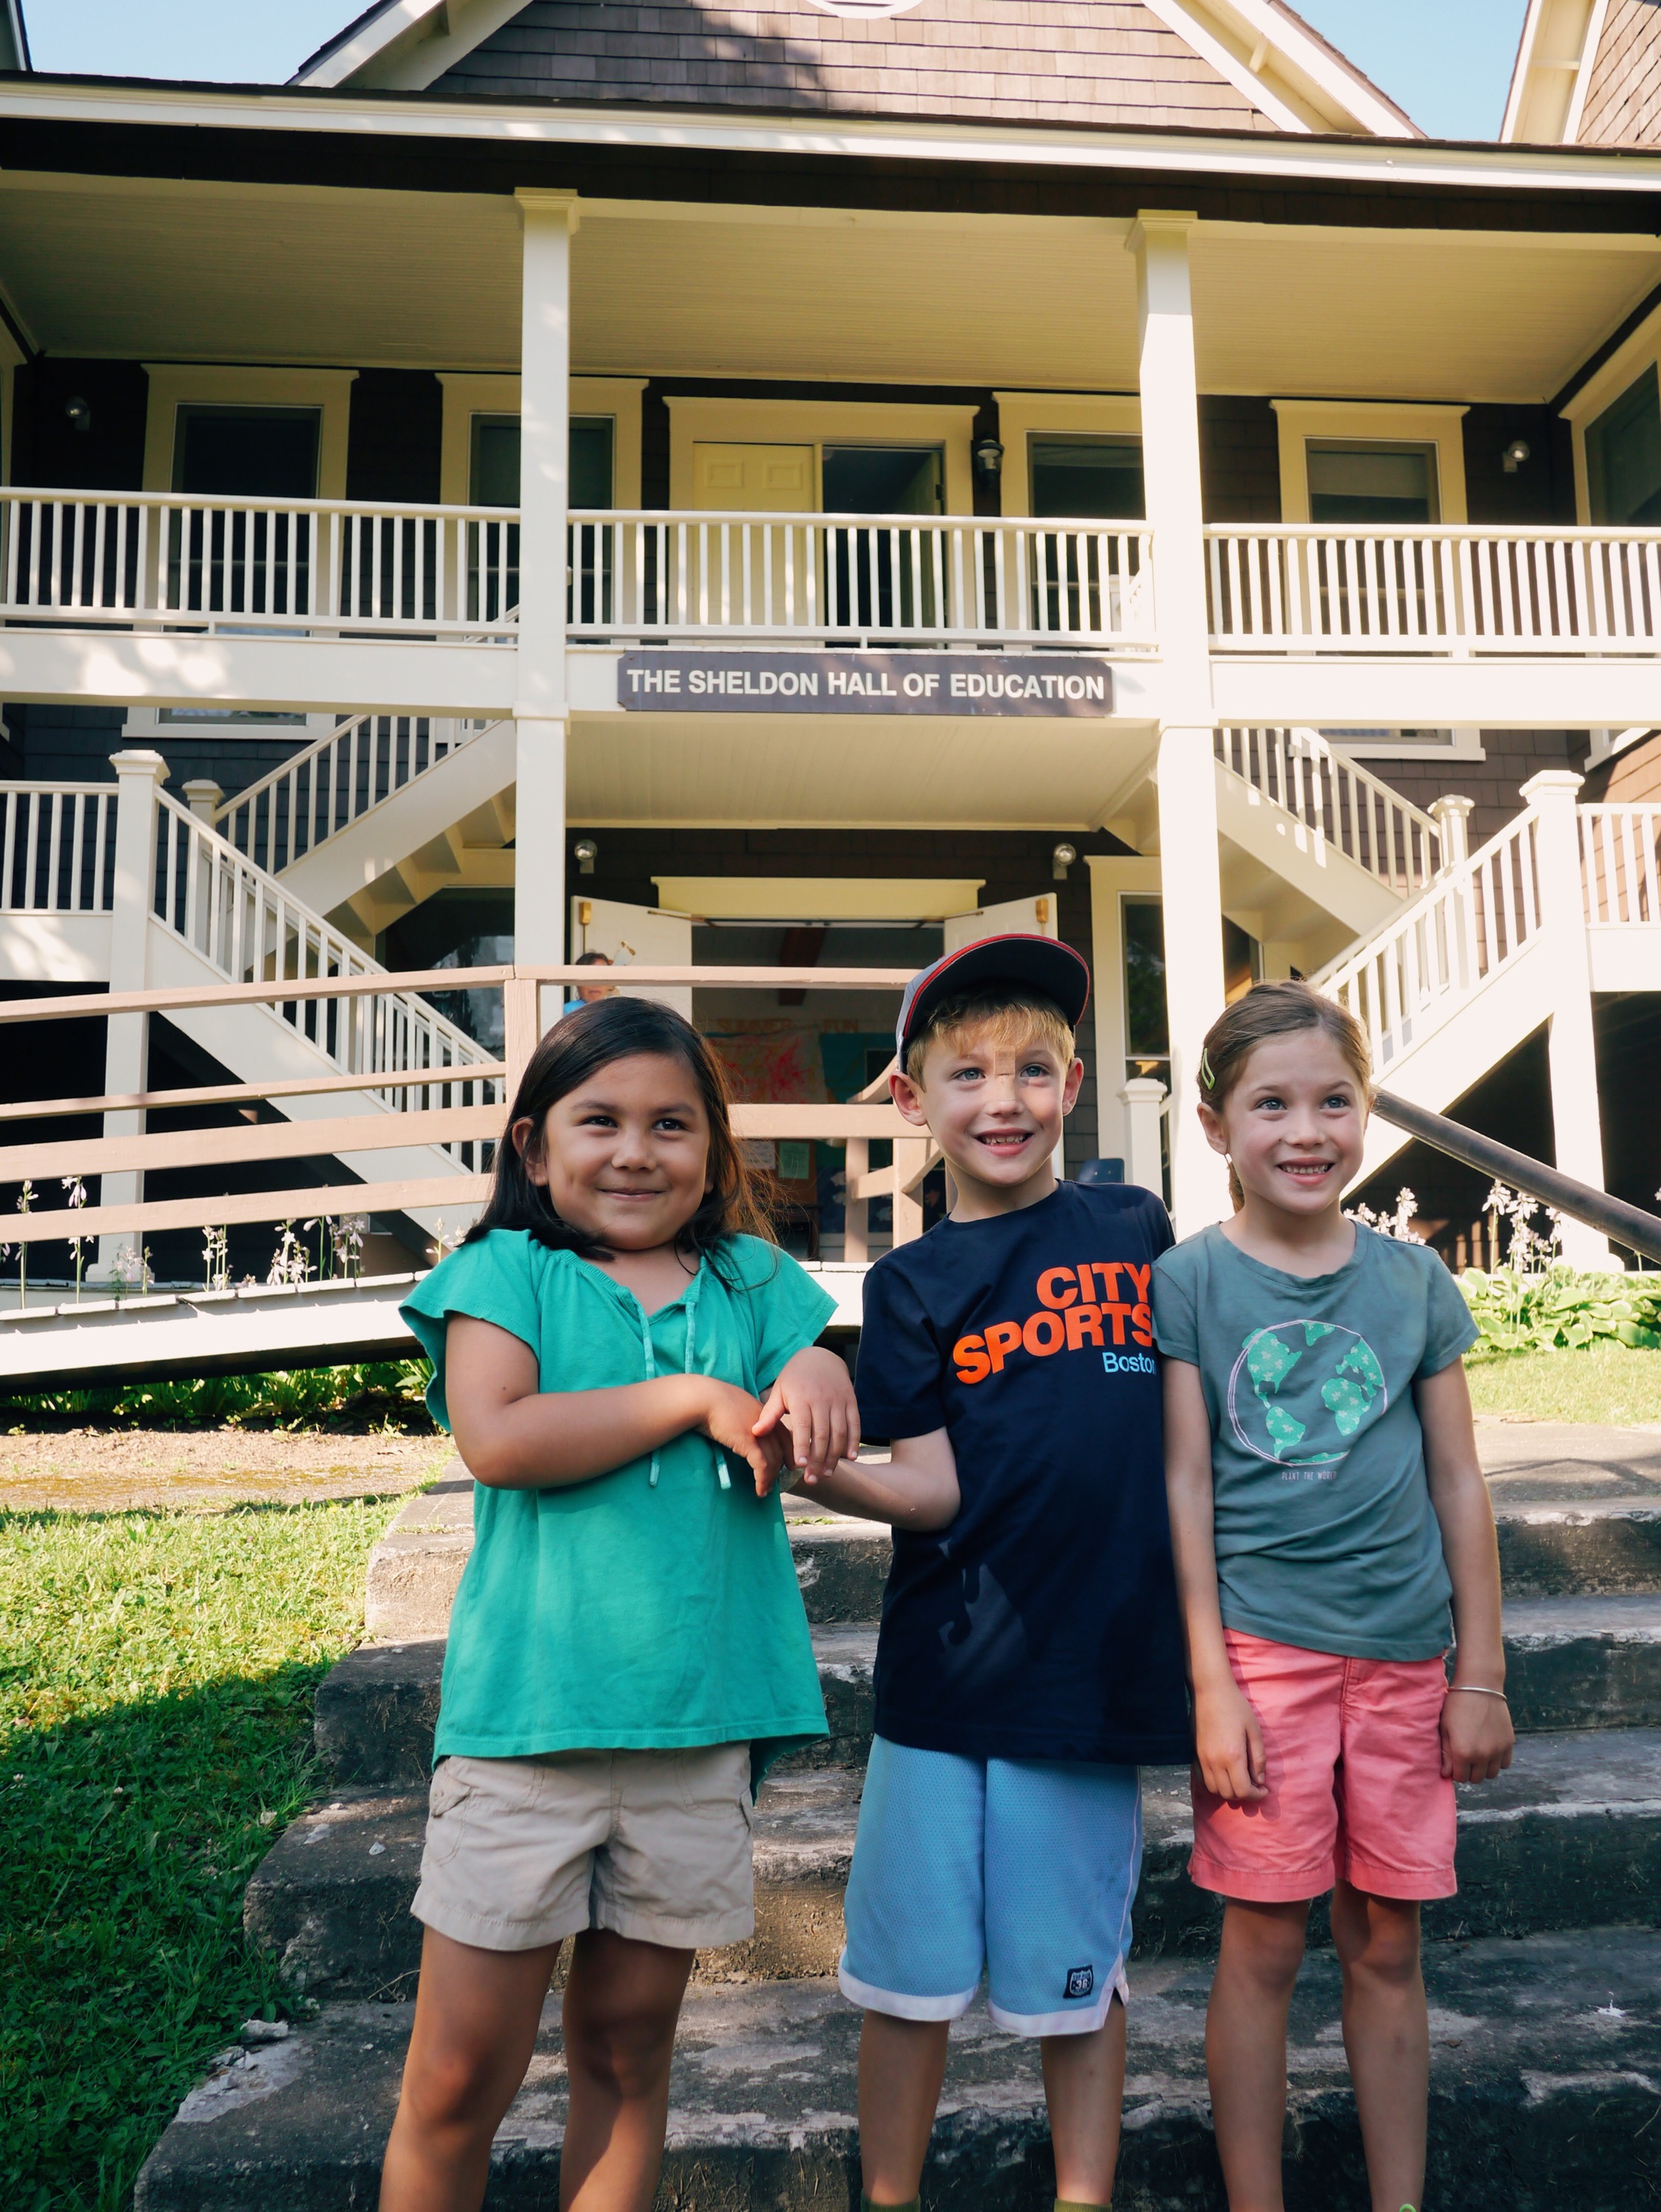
x: 1042, y: 1623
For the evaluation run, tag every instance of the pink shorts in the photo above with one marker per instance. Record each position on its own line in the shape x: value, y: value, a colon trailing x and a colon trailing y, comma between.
x: 1354, y: 1772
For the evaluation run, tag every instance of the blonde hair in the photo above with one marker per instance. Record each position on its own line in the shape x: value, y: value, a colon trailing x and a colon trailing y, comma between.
x: 1000, y: 1015
x: 1274, y: 1010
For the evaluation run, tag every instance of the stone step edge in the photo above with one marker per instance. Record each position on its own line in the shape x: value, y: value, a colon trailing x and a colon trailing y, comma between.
x: 1545, y: 2061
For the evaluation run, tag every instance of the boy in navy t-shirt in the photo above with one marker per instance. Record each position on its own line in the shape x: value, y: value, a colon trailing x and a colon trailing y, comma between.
x: 1030, y: 1657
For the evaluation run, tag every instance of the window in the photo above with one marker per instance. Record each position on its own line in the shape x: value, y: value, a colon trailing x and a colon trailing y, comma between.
x: 256, y: 452
x: 494, y: 471
x: 883, y: 479
x: 1623, y: 456
x: 1147, y: 1027
x: 1370, y: 481
x: 1097, y: 478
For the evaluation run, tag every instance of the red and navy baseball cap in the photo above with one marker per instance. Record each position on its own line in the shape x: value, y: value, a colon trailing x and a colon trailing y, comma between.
x: 1040, y: 964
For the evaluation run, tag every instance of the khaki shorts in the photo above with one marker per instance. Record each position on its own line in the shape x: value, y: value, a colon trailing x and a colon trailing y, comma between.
x: 654, y: 1846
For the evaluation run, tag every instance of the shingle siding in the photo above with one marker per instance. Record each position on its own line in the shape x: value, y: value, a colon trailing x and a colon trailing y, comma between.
x: 1099, y: 63
x: 1623, y: 100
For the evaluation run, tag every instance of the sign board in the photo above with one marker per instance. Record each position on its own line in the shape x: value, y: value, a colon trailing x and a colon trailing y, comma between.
x: 1048, y: 684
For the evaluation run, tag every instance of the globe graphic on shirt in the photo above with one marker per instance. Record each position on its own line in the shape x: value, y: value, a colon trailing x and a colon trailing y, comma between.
x: 1301, y: 1391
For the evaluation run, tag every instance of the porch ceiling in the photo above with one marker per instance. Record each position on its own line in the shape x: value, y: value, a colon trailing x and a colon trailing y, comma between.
x: 793, y: 770
x: 158, y: 269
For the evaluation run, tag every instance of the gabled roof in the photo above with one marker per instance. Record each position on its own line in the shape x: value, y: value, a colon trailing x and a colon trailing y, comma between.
x: 1588, y: 73
x: 1219, y: 64
x: 14, y: 36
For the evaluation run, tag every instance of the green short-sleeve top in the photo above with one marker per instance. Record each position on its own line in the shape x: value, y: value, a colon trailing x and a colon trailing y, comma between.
x: 656, y: 1606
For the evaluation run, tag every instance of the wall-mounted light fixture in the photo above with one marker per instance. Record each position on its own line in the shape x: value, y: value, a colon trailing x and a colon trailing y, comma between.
x: 79, y: 412
x: 1063, y: 858
x: 989, y: 458
x: 1515, y: 454
x: 587, y: 851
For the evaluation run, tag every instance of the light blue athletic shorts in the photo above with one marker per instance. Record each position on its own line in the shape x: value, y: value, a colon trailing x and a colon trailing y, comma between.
x: 1020, y: 1868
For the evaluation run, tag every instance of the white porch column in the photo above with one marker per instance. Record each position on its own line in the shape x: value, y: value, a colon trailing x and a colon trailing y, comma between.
x: 1575, y: 1116
x: 1142, y: 1099
x: 539, y: 922
x: 1191, y: 883
x: 139, y: 776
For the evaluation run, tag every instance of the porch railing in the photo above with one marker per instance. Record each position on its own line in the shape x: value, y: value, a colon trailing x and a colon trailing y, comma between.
x: 1337, y: 799
x: 473, y: 1124
x: 318, y: 567
x: 327, y: 786
x: 1409, y: 978
x: 57, y: 848
x: 1311, y: 587
x: 635, y: 574
x: 1618, y: 862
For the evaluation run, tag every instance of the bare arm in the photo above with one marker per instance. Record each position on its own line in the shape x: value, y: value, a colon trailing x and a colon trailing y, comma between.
x: 513, y: 1435
x: 1477, y: 1731
x: 1227, y: 1740
x: 916, y: 1489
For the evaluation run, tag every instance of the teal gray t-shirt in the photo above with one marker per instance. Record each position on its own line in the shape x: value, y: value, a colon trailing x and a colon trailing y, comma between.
x: 1325, y: 1534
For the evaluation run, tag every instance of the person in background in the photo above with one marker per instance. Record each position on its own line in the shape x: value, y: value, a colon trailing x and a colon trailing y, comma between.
x: 1326, y: 1502
x: 590, y: 995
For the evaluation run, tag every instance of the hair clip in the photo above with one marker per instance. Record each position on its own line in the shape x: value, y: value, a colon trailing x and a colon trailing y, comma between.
x: 1206, y: 1077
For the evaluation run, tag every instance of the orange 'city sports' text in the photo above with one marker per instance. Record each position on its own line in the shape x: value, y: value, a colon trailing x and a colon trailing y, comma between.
x: 1078, y: 1306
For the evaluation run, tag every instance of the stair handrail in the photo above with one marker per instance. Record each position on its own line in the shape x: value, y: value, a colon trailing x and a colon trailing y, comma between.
x: 1640, y: 1232
x: 245, y: 923
x: 1406, y: 978
x: 1318, y: 784
x: 264, y: 831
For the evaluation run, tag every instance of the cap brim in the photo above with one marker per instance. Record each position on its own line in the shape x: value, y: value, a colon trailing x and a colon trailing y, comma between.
x: 1040, y: 964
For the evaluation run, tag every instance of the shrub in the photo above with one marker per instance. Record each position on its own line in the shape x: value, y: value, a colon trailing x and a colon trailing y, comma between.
x: 1560, y: 1309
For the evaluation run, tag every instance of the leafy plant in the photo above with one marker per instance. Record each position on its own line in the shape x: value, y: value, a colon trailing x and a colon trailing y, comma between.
x: 376, y: 1392
x: 1561, y: 1309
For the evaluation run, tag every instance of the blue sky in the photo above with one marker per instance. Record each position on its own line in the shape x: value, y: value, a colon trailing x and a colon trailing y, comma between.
x: 1447, y: 62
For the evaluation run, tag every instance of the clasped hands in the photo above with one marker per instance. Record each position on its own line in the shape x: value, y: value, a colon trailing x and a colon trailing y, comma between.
x: 808, y: 1422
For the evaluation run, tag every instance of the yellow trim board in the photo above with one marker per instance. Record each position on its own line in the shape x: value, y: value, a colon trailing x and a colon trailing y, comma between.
x: 818, y: 898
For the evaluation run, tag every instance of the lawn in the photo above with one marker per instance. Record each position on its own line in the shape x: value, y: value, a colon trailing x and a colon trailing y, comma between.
x: 156, y: 1677
x: 1605, y: 1383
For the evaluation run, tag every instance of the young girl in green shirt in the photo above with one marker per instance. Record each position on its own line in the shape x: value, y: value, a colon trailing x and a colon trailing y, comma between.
x: 625, y: 1360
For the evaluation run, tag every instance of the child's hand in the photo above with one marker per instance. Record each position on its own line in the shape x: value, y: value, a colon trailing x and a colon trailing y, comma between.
x: 814, y: 1399
x: 729, y: 1420
x: 1478, y: 1736
x: 1229, y: 1746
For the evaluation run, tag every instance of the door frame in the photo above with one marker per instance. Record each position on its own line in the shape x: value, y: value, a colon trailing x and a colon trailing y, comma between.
x: 694, y: 419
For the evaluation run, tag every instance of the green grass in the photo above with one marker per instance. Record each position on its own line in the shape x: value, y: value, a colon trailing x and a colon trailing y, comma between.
x: 1603, y: 1383
x: 155, y: 1691
x: 370, y: 1394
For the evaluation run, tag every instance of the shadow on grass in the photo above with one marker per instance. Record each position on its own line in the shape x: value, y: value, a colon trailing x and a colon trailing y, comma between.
x: 132, y: 1811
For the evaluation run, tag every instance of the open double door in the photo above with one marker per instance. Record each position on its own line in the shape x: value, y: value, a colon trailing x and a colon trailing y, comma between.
x: 643, y: 936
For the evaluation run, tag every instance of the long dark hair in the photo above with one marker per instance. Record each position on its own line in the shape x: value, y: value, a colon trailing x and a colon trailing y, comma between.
x: 578, y: 1047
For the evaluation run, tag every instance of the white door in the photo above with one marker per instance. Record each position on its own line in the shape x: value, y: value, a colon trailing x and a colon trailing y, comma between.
x: 635, y: 935
x: 1033, y: 917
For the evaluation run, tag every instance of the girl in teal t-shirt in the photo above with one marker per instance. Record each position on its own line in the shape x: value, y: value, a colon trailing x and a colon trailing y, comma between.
x: 626, y: 1361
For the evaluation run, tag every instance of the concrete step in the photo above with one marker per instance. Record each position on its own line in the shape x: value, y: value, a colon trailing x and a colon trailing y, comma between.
x: 1570, y: 1836
x: 1559, y: 1544
x: 1572, y: 1663
x: 1545, y: 2060
x: 840, y: 1564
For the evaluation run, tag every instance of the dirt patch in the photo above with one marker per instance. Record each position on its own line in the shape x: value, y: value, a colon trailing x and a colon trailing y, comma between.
x: 205, y: 1470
